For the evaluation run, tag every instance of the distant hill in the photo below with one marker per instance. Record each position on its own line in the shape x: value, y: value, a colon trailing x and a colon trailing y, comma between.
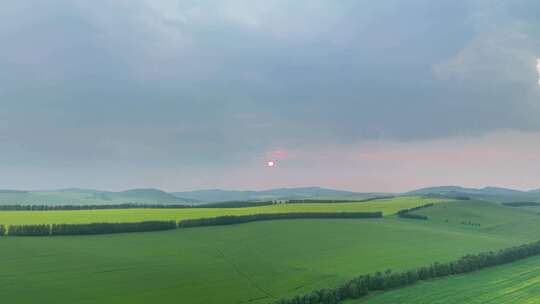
x: 216, y: 195
x: 146, y: 196
x: 7, y: 191
x: 80, y: 196
x: 488, y: 193
x: 76, y: 196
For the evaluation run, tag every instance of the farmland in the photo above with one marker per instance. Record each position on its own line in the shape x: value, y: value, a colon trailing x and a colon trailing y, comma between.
x: 253, y: 262
x: 388, y: 207
x: 514, y: 283
x: 249, y: 263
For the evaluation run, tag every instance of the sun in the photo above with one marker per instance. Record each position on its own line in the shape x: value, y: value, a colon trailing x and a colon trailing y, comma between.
x: 270, y: 163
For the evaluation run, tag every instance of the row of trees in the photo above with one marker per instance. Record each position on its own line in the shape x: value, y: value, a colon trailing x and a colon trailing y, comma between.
x: 229, y: 204
x: 521, y: 204
x: 407, y: 213
x: 29, y: 230
x: 87, y: 207
x: 104, y: 228
x: 236, y: 204
x: 231, y: 220
x: 362, y: 285
x: 455, y: 196
x: 82, y: 229
x: 320, y: 201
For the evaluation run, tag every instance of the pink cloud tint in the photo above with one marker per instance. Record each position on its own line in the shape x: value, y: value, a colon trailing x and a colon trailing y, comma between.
x: 506, y: 159
x: 279, y: 154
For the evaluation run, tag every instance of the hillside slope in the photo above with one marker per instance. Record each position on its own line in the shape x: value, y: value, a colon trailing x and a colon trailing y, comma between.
x: 216, y: 195
x: 506, y: 284
x: 89, y: 197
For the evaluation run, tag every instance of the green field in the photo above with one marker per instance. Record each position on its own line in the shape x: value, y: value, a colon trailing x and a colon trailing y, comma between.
x: 237, y: 264
x: 485, y: 217
x: 388, y: 207
x: 248, y: 263
x: 518, y: 282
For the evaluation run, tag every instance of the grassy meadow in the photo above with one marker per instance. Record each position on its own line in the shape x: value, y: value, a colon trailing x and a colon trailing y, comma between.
x: 253, y: 263
x: 518, y: 282
x: 388, y: 207
x: 249, y: 263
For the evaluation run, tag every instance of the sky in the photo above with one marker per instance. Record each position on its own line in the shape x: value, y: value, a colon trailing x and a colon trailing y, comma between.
x: 195, y: 94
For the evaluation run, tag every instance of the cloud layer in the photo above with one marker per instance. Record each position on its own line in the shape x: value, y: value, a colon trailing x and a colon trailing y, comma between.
x: 168, y: 93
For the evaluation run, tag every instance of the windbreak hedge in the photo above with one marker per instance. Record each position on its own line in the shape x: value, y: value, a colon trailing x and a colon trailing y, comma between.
x: 323, y: 201
x: 521, y: 204
x: 90, y: 207
x: 103, y: 228
x: 406, y: 213
x: 362, y: 285
x: 232, y: 219
x: 29, y: 230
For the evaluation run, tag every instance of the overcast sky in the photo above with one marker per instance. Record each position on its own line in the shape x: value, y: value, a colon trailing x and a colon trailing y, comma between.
x: 183, y: 94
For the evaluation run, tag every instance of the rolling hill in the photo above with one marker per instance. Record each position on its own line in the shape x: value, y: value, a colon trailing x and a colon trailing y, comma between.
x: 216, y: 195
x: 80, y: 196
x: 90, y: 197
x: 495, y: 194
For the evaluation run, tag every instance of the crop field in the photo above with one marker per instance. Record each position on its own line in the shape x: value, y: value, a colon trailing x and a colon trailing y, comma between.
x: 249, y: 263
x: 518, y: 282
x: 253, y: 263
x: 485, y: 217
x: 388, y: 207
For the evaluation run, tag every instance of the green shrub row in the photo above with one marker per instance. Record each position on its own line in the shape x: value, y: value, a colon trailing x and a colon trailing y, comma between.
x: 321, y: 201
x: 521, y: 204
x: 105, y: 228
x: 362, y: 285
x: 406, y: 213
x: 29, y: 230
x: 226, y: 204
x: 231, y: 220
x: 93, y: 228
x: 89, y: 207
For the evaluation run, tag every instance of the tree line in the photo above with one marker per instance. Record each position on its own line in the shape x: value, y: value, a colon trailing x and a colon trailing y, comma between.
x: 228, y: 204
x: 521, y: 204
x: 406, y: 213
x: 88, y: 207
x: 322, y: 201
x: 234, y: 219
x: 82, y: 229
x: 29, y: 230
x: 105, y: 228
x: 455, y: 196
x: 380, y: 281
x: 236, y: 204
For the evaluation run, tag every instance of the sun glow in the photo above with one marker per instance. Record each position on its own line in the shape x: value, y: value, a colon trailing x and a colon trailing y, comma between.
x: 271, y: 163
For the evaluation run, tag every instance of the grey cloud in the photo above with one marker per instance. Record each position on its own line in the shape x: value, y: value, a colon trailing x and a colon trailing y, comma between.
x: 208, y: 83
